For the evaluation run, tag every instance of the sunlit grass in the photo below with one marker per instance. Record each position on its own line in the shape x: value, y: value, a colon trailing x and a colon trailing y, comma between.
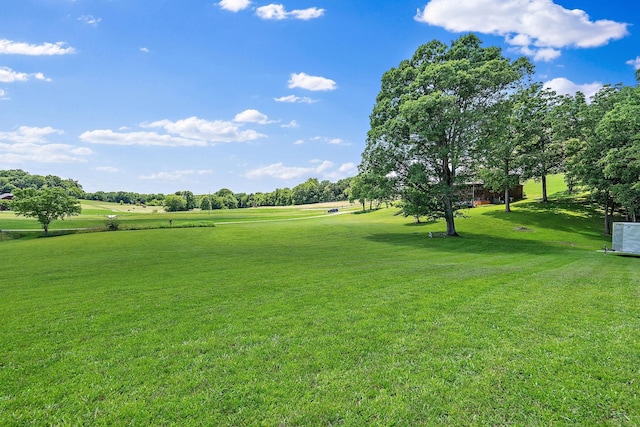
x: 339, y: 320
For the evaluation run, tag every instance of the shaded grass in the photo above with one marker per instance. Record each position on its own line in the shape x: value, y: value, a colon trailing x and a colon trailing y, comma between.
x: 348, y: 319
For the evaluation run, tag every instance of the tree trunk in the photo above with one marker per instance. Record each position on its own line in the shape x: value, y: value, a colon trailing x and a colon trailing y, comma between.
x: 607, y: 216
x: 448, y: 216
x: 507, y: 202
x: 544, y: 189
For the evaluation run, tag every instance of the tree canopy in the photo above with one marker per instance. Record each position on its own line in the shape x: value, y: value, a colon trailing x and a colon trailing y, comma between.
x: 46, y: 205
x: 429, y: 114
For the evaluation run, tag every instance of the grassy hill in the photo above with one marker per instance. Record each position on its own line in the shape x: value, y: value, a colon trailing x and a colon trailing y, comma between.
x: 350, y: 319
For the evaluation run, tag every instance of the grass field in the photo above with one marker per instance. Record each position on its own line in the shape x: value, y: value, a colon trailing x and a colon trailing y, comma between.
x: 352, y: 319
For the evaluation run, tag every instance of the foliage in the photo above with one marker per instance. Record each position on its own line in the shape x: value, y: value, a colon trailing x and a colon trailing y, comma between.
x: 205, y: 203
x: 608, y: 130
x: 14, y: 179
x: 620, y: 130
x: 112, y: 224
x: 189, y: 199
x: 175, y: 203
x: 429, y: 112
x: 45, y: 205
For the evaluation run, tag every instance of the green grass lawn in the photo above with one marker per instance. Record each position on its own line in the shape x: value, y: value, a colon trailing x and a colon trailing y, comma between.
x: 353, y: 319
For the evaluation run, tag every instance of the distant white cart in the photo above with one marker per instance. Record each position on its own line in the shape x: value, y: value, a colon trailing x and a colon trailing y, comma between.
x: 626, y: 237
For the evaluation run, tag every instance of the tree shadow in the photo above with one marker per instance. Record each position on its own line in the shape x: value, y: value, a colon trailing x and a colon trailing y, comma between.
x: 569, y: 216
x: 473, y: 243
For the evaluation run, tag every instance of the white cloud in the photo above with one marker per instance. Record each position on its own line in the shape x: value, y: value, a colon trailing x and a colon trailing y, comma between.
x: 291, y: 124
x: 538, y: 28
x: 331, y: 141
x: 635, y: 62
x: 565, y: 86
x: 298, y: 142
x: 315, y: 83
x: 109, y: 169
x: 337, y: 141
x: 9, y: 47
x: 295, y: 99
x: 234, y: 5
x: 145, y: 49
x: 30, y: 144
x: 7, y: 75
x: 323, y: 169
x: 251, y: 116
x: 207, y: 131
x: 109, y: 137
x: 89, y: 20
x: 192, y: 131
x: 278, y: 12
x: 174, y: 176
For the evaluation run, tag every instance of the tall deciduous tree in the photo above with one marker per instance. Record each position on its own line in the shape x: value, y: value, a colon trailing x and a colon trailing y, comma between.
x: 46, y: 205
x: 502, y: 141
x: 619, y: 129
x: 428, y: 113
x: 586, y: 153
x: 545, y: 120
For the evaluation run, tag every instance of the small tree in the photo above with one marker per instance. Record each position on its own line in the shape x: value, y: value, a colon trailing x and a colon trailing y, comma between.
x: 175, y: 203
x: 46, y: 205
x: 205, y: 203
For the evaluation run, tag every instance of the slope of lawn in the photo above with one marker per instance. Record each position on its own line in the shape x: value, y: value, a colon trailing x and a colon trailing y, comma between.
x: 352, y: 319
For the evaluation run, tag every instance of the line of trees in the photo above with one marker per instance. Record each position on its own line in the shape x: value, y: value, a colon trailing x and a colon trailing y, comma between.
x: 453, y: 114
x: 310, y: 191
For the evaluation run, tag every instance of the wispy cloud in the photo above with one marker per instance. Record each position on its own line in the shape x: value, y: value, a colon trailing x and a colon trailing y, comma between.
x: 90, y: 20
x: 291, y: 124
x: 8, y: 47
x: 7, y: 75
x: 295, y: 99
x: 323, y: 169
x: 234, y: 5
x: 537, y: 28
x: 31, y: 144
x: 145, y: 49
x: 278, y: 12
x: 634, y: 62
x: 191, y: 131
x: 314, y: 83
x: 175, y: 175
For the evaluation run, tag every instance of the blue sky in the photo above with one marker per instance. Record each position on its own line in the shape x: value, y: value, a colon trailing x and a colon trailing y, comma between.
x: 165, y: 95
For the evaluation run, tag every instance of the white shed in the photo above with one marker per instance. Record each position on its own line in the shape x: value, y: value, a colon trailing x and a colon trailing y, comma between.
x: 626, y: 237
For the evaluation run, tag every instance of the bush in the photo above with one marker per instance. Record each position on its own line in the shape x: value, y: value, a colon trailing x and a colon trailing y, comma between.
x: 112, y: 224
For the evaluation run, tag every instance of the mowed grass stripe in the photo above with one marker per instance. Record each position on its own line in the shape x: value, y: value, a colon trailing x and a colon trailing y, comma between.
x: 350, y: 319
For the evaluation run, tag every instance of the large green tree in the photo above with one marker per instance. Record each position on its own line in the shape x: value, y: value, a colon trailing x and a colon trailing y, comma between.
x: 500, y: 148
x: 545, y: 119
x: 428, y: 114
x: 175, y: 203
x: 46, y: 205
x: 587, y: 151
x: 619, y: 129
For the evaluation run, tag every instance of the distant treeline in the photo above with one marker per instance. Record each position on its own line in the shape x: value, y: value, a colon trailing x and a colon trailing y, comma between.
x: 310, y: 191
x: 13, y: 179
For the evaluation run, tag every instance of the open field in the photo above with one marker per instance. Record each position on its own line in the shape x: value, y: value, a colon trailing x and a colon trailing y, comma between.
x: 95, y: 214
x: 354, y: 319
